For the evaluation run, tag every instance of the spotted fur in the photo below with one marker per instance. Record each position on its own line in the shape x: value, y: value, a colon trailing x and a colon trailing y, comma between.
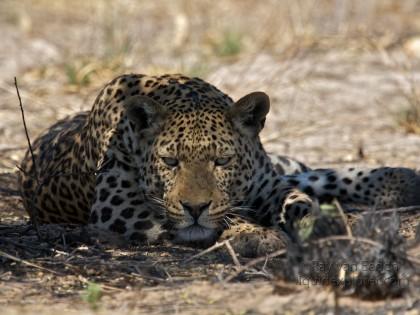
x: 173, y: 157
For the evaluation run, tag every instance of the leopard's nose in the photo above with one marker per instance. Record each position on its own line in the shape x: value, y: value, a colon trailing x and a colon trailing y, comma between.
x: 195, y: 210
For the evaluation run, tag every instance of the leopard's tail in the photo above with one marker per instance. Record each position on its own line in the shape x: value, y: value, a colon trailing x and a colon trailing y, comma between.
x: 382, y: 187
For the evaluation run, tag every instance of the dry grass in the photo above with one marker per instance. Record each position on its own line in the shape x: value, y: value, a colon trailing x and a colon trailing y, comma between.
x: 186, y: 35
x: 409, y: 117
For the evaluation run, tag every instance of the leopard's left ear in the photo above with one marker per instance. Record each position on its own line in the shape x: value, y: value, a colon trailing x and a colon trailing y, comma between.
x: 249, y: 113
x: 146, y: 114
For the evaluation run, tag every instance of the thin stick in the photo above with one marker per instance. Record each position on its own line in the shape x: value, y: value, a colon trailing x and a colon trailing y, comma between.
x: 360, y: 240
x: 254, y: 262
x: 348, y: 238
x: 343, y: 217
x: 320, y: 241
x: 25, y: 127
x: 25, y: 262
x: 139, y: 274
x: 387, y: 210
x: 232, y: 254
x: 33, y: 210
x: 206, y: 251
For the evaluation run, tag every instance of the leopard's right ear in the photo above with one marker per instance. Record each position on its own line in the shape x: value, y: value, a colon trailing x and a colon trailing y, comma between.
x: 249, y: 113
x: 145, y: 113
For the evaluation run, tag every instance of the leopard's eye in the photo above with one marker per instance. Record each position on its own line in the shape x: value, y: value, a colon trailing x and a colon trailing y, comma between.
x: 223, y: 161
x: 171, y: 162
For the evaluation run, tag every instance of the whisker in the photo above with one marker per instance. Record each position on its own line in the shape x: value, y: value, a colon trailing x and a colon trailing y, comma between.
x: 233, y: 211
x: 227, y: 219
x: 244, y: 208
x: 240, y: 216
x: 227, y: 223
x: 158, y: 201
x: 238, y: 200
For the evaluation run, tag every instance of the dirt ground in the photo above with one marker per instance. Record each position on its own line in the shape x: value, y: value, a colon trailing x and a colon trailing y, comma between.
x: 341, y: 76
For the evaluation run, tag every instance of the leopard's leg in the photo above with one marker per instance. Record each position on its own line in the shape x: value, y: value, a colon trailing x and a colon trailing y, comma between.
x: 254, y: 239
x: 381, y: 187
x: 296, y: 205
x: 285, y: 207
x: 303, y: 220
x: 121, y: 208
x: 250, y: 239
x: 287, y: 166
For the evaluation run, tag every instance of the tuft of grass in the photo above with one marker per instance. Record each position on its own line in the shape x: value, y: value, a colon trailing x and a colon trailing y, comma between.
x: 200, y: 70
x: 409, y: 119
x: 79, y: 74
x: 83, y: 73
x: 229, y: 45
x: 370, y: 263
x: 92, y: 295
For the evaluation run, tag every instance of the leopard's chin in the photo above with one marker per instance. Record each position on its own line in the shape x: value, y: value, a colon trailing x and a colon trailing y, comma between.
x: 197, y: 236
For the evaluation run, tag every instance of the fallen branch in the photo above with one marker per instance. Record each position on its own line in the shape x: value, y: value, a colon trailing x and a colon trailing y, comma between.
x: 328, y: 239
x: 343, y: 217
x: 387, y: 210
x: 232, y: 254
x: 34, y: 210
x: 24, y: 126
x: 255, y: 262
x: 25, y: 262
x: 359, y: 240
x: 211, y: 249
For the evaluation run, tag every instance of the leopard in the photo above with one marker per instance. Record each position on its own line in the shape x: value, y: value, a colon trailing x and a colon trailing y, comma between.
x: 172, y: 157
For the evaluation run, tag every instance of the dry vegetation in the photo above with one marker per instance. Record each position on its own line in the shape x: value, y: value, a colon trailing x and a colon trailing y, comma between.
x: 343, y: 78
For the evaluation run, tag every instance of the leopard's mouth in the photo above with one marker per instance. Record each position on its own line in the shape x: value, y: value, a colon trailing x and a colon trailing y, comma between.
x: 196, y: 235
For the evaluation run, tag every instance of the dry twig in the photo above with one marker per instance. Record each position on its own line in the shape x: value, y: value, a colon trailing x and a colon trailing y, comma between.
x: 34, y: 213
x: 232, y: 253
x: 25, y: 127
x: 255, y: 262
x: 28, y: 263
x: 213, y: 248
x: 400, y: 209
x: 359, y: 240
x: 343, y: 217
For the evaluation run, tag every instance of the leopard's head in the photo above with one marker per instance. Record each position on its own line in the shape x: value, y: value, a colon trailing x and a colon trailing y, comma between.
x: 199, y: 161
